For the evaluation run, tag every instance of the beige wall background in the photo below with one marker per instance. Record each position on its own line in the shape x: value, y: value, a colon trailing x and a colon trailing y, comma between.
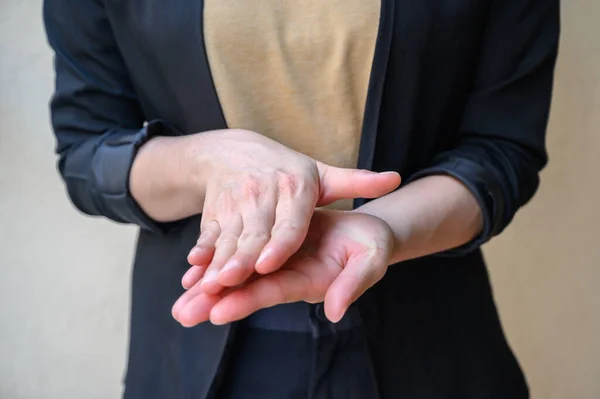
x: 64, y: 278
x: 546, y: 267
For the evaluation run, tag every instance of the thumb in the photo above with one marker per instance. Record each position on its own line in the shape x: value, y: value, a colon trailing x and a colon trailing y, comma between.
x: 340, y: 183
x: 358, y: 276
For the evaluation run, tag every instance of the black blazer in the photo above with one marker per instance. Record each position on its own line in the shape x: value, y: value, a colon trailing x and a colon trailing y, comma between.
x: 460, y: 87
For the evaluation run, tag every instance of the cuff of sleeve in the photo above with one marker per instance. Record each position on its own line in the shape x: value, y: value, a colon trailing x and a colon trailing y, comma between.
x: 111, y: 167
x: 483, y: 187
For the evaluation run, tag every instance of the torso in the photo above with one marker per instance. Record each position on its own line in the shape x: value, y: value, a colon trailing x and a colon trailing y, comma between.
x: 430, y: 324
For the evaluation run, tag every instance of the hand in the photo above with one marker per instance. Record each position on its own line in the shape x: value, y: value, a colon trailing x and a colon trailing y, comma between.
x: 260, y: 196
x: 344, y: 254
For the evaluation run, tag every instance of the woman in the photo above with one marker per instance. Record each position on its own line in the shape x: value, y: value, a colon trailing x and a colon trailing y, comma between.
x: 267, y: 118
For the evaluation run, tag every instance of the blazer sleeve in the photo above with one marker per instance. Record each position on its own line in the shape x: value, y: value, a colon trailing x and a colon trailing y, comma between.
x: 501, y: 146
x: 95, y: 114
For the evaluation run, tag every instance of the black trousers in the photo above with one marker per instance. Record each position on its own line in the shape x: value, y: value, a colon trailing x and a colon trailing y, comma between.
x: 270, y: 364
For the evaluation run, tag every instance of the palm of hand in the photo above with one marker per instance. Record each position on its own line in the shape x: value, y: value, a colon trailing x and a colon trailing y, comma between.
x: 344, y: 254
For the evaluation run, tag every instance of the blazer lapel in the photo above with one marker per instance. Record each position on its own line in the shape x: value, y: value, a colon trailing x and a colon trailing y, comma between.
x: 375, y: 90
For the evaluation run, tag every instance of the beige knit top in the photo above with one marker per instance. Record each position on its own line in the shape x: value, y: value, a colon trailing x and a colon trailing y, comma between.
x: 295, y: 71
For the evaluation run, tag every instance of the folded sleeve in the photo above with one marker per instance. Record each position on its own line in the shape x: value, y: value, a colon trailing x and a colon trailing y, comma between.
x: 95, y: 114
x: 501, y: 146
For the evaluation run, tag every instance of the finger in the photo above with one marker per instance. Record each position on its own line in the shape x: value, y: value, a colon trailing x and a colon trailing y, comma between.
x: 360, y: 274
x: 197, y: 309
x: 283, y: 286
x: 254, y: 237
x: 202, y: 253
x: 192, y: 276
x: 292, y: 219
x: 225, y: 247
x: 339, y: 183
x: 194, y: 308
x: 187, y: 296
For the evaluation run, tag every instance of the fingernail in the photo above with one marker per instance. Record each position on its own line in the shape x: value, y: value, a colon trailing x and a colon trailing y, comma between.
x: 218, y: 322
x: 341, y: 316
x: 214, y: 318
x: 209, y: 277
x: 230, y: 265
x: 175, y: 310
x: 263, y: 255
x: 194, y: 251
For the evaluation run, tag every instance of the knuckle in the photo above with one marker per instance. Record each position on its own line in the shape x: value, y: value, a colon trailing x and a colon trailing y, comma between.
x: 226, y: 201
x: 290, y: 227
x: 227, y: 237
x: 255, y: 235
x: 324, y: 172
x: 208, y: 232
x: 288, y: 183
x: 349, y: 177
x: 210, y: 227
x: 203, y: 239
x: 253, y: 189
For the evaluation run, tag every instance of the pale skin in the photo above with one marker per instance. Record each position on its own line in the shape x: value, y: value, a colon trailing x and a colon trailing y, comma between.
x: 256, y: 196
x: 352, y: 252
x: 259, y: 197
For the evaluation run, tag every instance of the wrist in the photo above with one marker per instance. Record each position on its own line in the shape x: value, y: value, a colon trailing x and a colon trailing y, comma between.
x: 430, y: 215
x: 160, y: 178
x: 196, y: 155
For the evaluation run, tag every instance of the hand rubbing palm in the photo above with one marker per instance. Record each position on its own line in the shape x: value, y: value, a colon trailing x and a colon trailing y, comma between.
x: 344, y: 254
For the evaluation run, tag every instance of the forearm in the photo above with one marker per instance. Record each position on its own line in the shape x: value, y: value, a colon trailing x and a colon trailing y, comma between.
x: 163, y: 181
x: 429, y: 215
